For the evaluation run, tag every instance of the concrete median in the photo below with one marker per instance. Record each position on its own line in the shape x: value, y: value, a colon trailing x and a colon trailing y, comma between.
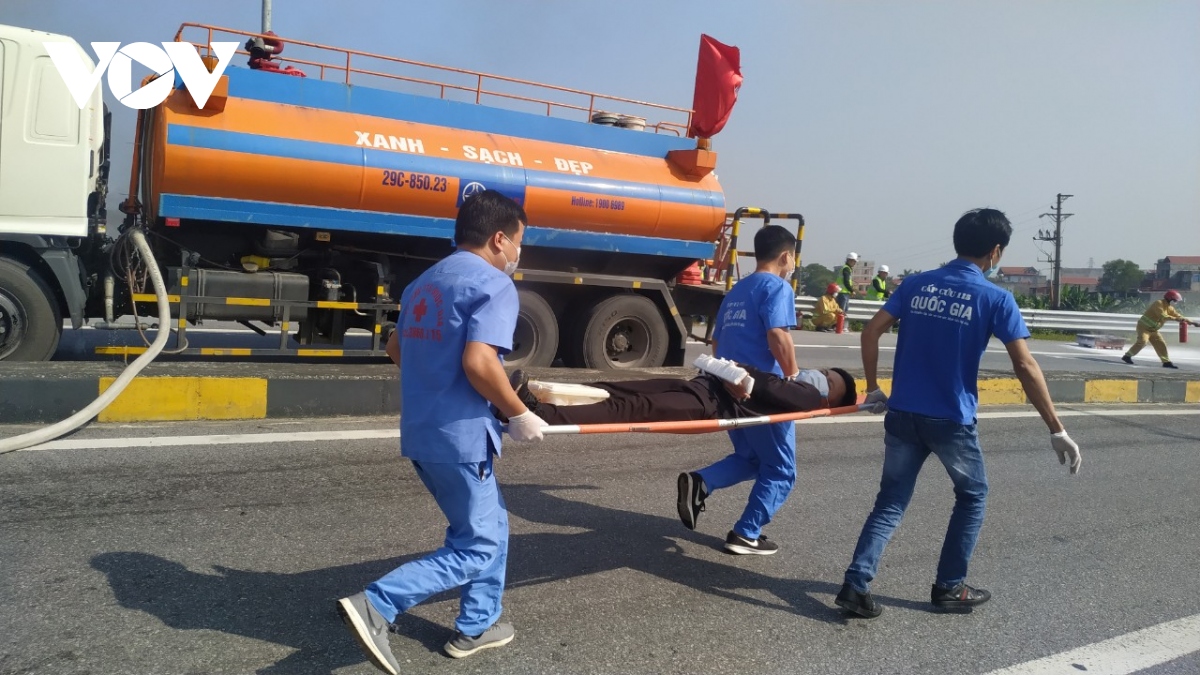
x: 48, y: 392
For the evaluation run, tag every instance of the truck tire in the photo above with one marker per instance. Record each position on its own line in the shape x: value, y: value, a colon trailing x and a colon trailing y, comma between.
x: 624, y: 331
x: 30, y: 318
x: 535, y: 341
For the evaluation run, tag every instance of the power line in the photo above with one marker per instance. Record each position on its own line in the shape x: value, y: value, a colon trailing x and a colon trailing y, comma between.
x: 1056, y: 237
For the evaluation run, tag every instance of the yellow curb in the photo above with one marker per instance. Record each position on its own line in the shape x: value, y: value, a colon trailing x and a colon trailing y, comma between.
x: 1110, y: 391
x: 1002, y: 391
x: 165, y: 399
x: 1192, y: 395
x: 885, y: 383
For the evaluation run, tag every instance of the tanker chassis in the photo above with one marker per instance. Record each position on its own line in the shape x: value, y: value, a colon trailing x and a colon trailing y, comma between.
x: 306, y: 204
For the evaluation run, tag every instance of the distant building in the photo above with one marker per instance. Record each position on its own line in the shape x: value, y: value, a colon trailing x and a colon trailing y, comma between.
x: 1022, y: 280
x: 1179, y: 272
x: 1084, y: 283
x: 862, y: 274
x: 1081, y: 272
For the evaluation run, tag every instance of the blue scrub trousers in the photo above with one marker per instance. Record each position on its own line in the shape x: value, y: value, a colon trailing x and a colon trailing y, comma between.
x: 474, y: 555
x: 766, y: 454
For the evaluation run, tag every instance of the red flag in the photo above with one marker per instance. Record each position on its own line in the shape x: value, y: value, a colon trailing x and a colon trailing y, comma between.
x: 718, y: 78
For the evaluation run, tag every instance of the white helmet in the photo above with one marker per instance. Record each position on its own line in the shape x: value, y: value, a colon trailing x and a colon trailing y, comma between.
x: 852, y: 256
x: 883, y: 268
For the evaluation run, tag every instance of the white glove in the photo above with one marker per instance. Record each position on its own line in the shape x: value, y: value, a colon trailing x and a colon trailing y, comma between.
x: 1066, y: 449
x: 878, y: 402
x: 526, y: 427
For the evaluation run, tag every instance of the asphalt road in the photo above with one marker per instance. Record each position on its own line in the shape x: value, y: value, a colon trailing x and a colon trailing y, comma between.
x: 225, y: 556
x: 823, y: 349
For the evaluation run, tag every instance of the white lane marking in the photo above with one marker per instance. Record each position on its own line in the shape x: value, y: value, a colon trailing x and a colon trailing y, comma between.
x: 215, y: 439
x: 376, y: 434
x: 1016, y: 414
x: 1120, y: 655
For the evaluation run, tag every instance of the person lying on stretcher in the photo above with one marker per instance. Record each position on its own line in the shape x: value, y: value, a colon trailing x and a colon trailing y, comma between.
x: 700, y: 398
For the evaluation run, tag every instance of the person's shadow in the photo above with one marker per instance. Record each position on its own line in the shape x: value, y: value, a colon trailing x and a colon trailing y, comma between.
x: 297, y: 610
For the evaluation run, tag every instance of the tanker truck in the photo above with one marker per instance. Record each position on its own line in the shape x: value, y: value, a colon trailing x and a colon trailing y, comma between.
x: 298, y: 200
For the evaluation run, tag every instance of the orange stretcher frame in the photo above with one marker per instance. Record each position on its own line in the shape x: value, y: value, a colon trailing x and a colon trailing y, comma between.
x: 695, y: 426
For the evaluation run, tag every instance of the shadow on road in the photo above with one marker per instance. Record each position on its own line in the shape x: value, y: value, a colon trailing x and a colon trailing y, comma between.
x: 297, y: 610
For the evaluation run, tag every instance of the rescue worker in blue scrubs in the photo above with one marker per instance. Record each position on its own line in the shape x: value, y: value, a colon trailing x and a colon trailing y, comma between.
x: 456, y: 324
x: 753, y: 326
x: 949, y: 316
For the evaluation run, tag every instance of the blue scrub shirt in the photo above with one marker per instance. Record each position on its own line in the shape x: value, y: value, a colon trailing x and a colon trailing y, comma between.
x: 755, y: 305
x: 460, y: 299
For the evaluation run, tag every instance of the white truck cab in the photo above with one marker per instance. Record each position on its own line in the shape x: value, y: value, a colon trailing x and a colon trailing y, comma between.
x: 53, y: 183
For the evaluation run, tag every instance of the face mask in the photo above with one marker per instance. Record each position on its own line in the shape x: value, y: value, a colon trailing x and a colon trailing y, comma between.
x: 817, y: 379
x: 510, y: 267
x: 991, y: 272
x: 787, y: 273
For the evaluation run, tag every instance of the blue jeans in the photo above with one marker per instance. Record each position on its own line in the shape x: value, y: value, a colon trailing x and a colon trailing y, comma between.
x: 908, y: 440
x: 473, y: 557
x: 766, y: 454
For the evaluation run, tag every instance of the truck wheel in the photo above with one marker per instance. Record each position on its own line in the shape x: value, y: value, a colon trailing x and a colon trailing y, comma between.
x: 535, y: 341
x: 624, y: 331
x: 30, y: 319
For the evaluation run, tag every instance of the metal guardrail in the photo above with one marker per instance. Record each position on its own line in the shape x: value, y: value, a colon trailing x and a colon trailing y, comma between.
x: 1081, y: 322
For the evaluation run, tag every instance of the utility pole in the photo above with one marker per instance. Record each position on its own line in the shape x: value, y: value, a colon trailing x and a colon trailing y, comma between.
x: 1059, y: 217
x: 266, y: 15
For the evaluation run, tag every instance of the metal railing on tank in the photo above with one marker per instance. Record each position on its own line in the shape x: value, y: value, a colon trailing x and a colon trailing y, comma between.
x: 473, y: 85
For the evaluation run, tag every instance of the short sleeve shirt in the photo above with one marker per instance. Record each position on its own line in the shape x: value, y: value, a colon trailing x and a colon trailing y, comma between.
x: 755, y: 305
x: 460, y: 299
x: 947, y: 316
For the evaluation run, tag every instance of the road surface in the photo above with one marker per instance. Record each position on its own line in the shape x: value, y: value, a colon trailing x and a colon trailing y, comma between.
x: 220, y: 548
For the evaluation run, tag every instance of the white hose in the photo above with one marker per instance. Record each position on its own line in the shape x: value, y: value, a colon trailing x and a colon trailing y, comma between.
x: 95, y: 407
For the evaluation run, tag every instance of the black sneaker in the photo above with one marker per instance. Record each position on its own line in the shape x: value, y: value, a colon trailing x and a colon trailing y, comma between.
x: 1127, y: 359
x: 520, y: 384
x: 1168, y: 364
x: 961, y: 596
x: 690, y: 501
x: 854, y: 602
x: 736, y: 543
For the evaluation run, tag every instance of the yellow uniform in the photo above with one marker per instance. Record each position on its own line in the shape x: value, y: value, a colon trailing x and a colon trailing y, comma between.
x: 1159, y: 312
x: 826, y: 312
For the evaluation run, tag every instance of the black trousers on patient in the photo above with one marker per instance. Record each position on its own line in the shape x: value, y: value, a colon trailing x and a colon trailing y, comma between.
x: 659, y: 400
x: 671, y: 400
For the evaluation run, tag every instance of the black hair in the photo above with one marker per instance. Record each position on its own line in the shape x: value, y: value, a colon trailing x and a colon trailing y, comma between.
x: 483, y: 215
x: 851, y: 396
x: 772, y: 241
x: 979, y: 231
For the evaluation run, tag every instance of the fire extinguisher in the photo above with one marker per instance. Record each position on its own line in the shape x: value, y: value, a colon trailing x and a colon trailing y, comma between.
x: 1183, y: 331
x: 841, y: 323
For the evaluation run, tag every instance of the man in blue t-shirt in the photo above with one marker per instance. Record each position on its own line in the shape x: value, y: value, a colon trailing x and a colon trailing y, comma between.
x: 949, y: 315
x: 456, y: 324
x: 754, y: 327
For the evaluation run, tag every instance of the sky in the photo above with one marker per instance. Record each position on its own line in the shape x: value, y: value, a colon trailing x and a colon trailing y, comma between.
x: 881, y: 122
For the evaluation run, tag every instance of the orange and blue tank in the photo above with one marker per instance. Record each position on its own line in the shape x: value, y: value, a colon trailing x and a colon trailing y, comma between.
x: 306, y: 153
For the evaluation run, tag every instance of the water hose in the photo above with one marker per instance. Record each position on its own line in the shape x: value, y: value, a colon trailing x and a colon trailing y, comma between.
x: 95, y: 407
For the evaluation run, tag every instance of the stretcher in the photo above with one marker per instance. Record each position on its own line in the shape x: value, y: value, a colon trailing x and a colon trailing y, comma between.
x: 696, y: 426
